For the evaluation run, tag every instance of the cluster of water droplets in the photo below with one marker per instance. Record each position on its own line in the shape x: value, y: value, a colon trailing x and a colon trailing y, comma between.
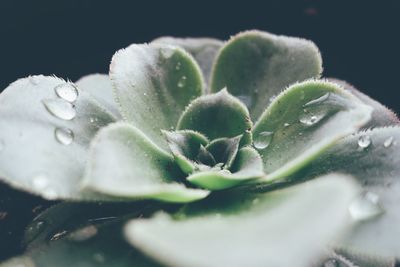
x: 64, y: 109
x: 263, y: 140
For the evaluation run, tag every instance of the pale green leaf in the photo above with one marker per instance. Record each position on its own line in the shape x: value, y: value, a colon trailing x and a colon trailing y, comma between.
x: 302, y: 122
x: 46, y: 127
x: 255, y: 66
x: 280, y: 229
x: 124, y: 163
x: 153, y: 84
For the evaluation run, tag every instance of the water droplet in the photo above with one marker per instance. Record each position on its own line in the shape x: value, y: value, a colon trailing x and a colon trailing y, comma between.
x: 60, y: 108
x: 145, y: 94
x: 365, y: 206
x: 317, y: 101
x: 286, y: 124
x: 98, y: 257
x: 67, y: 91
x: 178, y: 66
x: 64, y: 136
x: 84, y: 233
x: 311, y: 119
x: 263, y: 140
x: 246, y: 100
x: 182, y: 82
x: 388, y: 142
x: 58, y: 235
x: 364, y: 141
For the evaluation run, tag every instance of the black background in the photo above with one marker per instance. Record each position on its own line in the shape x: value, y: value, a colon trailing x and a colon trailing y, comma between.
x: 71, y: 38
x: 358, y: 39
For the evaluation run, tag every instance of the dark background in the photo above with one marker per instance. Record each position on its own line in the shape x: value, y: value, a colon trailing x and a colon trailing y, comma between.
x: 71, y: 38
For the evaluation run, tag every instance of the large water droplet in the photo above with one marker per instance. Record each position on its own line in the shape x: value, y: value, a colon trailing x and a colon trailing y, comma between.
x: 388, y: 142
x: 246, y: 100
x: 67, y: 91
x: 64, y: 136
x: 84, y: 233
x: 317, y: 101
x: 365, y: 206
x: 182, y: 82
x: 60, y: 108
x: 263, y: 140
x: 309, y: 119
x: 364, y: 141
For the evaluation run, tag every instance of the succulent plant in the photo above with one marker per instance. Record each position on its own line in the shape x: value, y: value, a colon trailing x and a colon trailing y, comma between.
x: 197, y: 152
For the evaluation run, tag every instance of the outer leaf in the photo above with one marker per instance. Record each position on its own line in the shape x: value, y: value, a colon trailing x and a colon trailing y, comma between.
x: 204, y: 50
x: 255, y: 231
x: 82, y: 235
x: 302, y: 122
x: 246, y: 166
x: 377, y: 168
x: 381, y: 116
x: 41, y: 152
x: 218, y: 115
x: 100, y: 87
x: 150, y: 87
x: 255, y: 66
x: 125, y: 163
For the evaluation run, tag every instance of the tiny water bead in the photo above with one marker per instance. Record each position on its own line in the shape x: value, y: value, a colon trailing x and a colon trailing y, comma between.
x: 364, y: 141
x: 182, y: 82
x: 60, y: 108
x: 263, y: 140
x: 58, y: 235
x: 388, y: 142
x: 365, y: 207
x: 178, y: 66
x: 310, y: 119
x: 64, y: 136
x: 67, y: 91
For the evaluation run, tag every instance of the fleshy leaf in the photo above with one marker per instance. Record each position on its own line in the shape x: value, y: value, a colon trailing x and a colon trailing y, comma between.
x: 217, y: 115
x: 46, y: 125
x: 302, y: 122
x: 255, y: 66
x: 124, y: 163
x: 100, y: 87
x: 247, y: 165
x: 185, y: 146
x: 204, y: 50
x: 373, y: 158
x: 224, y: 150
x: 280, y: 229
x: 85, y: 235
x: 381, y: 116
x: 150, y: 88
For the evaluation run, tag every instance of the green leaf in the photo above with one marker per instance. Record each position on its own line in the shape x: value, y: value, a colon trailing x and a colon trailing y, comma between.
x: 280, y: 229
x: 302, y: 122
x: 217, y: 115
x: 71, y: 234
x: 246, y: 166
x: 185, y: 146
x: 224, y: 150
x: 46, y: 126
x: 255, y: 66
x: 124, y: 163
x: 204, y: 50
x: 381, y: 116
x: 373, y: 158
x: 100, y: 87
x: 153, y: 84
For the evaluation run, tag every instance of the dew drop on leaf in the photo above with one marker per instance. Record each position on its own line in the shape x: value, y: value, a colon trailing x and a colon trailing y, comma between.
x: 309, y: 119
x: 83, y: 234
x: 388, y: 142
x: 178, y: 66
x: 263, y: 140
x: 364, y: 141
x: 64, y: 136
x: 365, y: 207
x: 60, y: 108
x: 67, y: 91
x: 286, y: 124
x: 182, y: 82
